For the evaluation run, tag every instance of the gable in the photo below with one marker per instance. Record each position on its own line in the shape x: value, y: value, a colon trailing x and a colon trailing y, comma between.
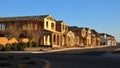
x: 70, y: 33
x: 50, y: 18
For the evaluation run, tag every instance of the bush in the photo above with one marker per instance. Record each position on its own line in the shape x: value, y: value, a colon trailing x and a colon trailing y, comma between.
x: 34, y: 44
x: 20, y: 48
x: 14, y: 47
x: 1, y: 47
x: 7, y: 48
x: 24, y: 45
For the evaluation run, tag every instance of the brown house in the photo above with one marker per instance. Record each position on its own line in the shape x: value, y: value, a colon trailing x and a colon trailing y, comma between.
x: 37, y: 28
x: 43, y: 29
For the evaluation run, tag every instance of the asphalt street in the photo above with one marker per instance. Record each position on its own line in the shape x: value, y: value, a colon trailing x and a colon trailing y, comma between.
x: 83, y: 58
x: 80, y: 58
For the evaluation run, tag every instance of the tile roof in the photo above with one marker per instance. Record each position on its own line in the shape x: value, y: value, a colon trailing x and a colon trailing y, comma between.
x: 23, y: 18
x: 86, y: 28
x: 102, y: 33
x: 59, y: 21
x: 94, y: 32
x: 73, y: 28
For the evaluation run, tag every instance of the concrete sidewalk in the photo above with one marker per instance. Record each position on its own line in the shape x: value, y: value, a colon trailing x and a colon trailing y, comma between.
x: 64, y: 49
x: 53, y: 50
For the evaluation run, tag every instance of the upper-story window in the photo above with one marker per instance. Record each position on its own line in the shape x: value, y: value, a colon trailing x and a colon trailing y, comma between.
x: 47, y: 24
x: 30, y: 26
x: 89, y: 34
x: 83, y: 32
x: 2, y: 26
x: 63, y: 27
x: 52, y: 26
x: 66, y: 28
x: 35, y: 27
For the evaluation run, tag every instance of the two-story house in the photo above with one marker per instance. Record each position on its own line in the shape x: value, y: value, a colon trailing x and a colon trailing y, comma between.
x: 83, y: 35
x: 88, y: 37
x: 67, y: 37
x: 37, y: 28
x: 107, y: 39
x: 76, y: 31
x: 95, y: 38
x: 103, y: 39
x: 111, y: 40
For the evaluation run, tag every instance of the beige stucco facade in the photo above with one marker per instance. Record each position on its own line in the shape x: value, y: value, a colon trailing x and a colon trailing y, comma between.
x: 107, y: 39
x: 88, y: 35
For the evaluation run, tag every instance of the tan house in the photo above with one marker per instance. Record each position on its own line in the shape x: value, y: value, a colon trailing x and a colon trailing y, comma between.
x: 111, y: 40
x: 95, y: 38
x: 107, y: 39
x: 67, y: 37
x: 76, y: 31
x: 83, y: 35
x: 88, y: 36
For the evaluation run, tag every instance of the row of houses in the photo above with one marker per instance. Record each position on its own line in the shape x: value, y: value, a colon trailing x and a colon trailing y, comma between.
x: 47, y: 31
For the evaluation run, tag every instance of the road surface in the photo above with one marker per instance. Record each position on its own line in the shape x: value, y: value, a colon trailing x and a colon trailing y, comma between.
x: 80, y: 58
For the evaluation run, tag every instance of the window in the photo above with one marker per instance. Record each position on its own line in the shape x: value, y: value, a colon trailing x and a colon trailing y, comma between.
x: 31, y: 26
x: 47, y: 24
x: 52, y: 26
x: 2, y: 26
x: 66, y: 28
x: 63, y: 27
x: 24, y: 26
x: 35, y: 26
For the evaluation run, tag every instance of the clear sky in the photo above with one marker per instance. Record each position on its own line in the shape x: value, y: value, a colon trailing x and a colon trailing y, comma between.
x: 101, y: 15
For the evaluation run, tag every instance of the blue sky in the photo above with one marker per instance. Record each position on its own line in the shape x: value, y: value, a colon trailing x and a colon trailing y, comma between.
x: 102, y: 15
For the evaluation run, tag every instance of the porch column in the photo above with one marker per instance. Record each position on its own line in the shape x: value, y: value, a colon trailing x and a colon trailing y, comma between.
x: 55, y: 39
x: 60, y: 40
x: 52, y: 39
x: 44, y: 39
